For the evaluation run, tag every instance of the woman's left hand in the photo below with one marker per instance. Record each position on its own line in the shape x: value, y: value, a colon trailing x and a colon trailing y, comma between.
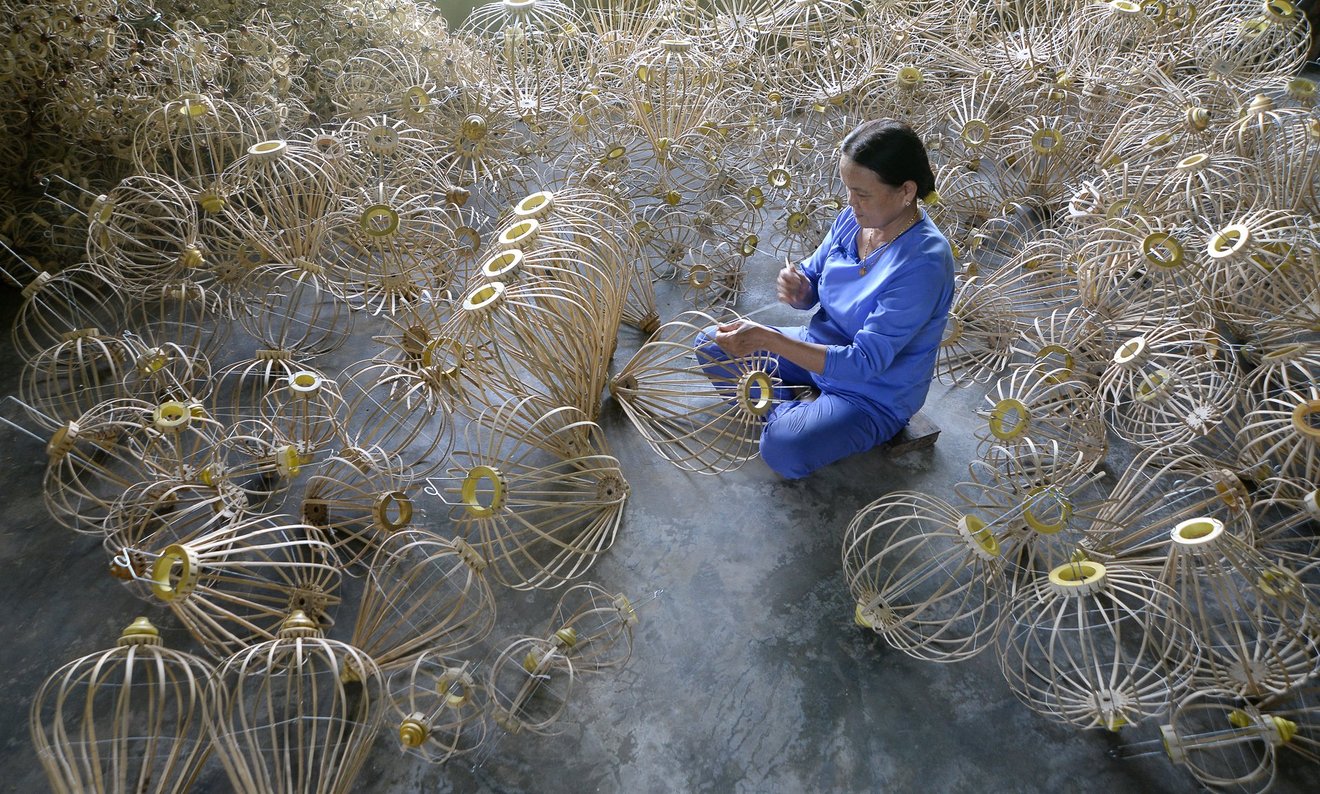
x: 743, y: 337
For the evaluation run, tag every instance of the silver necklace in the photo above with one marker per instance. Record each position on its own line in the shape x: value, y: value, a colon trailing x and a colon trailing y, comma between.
x: 861, y: 271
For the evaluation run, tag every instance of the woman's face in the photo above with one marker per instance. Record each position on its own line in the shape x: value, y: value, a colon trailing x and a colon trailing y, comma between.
x: 875, y: 203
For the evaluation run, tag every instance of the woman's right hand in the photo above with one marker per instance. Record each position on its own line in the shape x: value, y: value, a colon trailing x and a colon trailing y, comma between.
x: 793, y: 287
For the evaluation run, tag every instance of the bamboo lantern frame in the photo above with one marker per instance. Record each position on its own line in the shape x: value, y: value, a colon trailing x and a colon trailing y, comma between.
x: 158, y: 513
x: 306, y: 408
x: 233, y: 588
x: 282, y: 195
x: 1242, y: 42
x: 1281, y: 143
x: 1176, y: 117
x: 54, y: 304
x: 386, y: 80
x: 74, y: 376
x: 394, y: 241
x: 382, y: 151
x: 1137, y: 269
x: 1072, y: 342
x: 537, y: 492
x: 1285, y: 513
x: 1261, y: 274
x: 357, y: 501
x: 128, y: 719
x: 671, y: 89
x: 978, y: 338
x: 302, y: 307
x: 1172, y: 386
x: 167, y: 371
x: 394, y: 410
x: 1224, y: 741
x: 1042, y: 406
x: 441, y: 706
x: 424, y: 594
x: 593, y: 627
x: 822, y: 50
x: 483, y: 140
x: 146, y: 230
x: 687, y: 418
x: 534, y: 327
x: 258, y: 459
x: 296, y: 713
x: 530, y: 684
x: 1154, y: 494
x: 117, y: 444
x: 1281, y: 435
x: 186, y: 313
x: 1283, y: 367
x: 1093, y: 646
x: 979, y: 116
x: 193, y: 139
x: 714, y: 278
x: 1249, y: 613
x: 1041, y: 506
x: 925, y: 576
x: 240, y: 387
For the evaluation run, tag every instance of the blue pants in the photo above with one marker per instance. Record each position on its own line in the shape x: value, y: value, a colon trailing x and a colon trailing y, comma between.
x: 800, y: 437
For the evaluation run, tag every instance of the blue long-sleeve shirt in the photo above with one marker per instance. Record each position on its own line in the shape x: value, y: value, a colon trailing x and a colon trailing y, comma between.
x: 881, y: 330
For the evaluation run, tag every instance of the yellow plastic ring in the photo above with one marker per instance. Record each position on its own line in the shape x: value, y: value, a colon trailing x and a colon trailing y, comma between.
x: 171, y: 415
x: 416, y: 99
x: 1194, y: 162
x: 484, y: 296
x: 268, y: 149
x: 1000, y: 416
x: 1154, y: 386
x: 1040, y: 525
x: 379, y: 220
x: 1047, y: 142
x: 1131, y: 352
x: 975, y: 132
x: 1064, y: 372
x: 288, y: 461
x: 520, y: 234
x: 472, y: 500
x: 502, y: 266
x: 1082, y: 576
x: 699, y: 276
x: 537, y: 204
x: 1228, y: 241
x: 1196, y: 531
x: 1162, y: 250
x: 392, y: 510
x: 305, y: 383
x: 982, y: 541
x: 1301, y: 416
x: 760, y: 401
x: 169, y: 583
x: 1277, y: 582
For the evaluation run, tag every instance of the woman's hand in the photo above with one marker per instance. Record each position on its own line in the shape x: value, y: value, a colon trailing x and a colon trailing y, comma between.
x: 743, y: 337
x: 793, y: 287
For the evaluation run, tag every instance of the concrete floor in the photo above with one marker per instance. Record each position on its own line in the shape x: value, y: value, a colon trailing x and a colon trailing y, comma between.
x: 748, y: 675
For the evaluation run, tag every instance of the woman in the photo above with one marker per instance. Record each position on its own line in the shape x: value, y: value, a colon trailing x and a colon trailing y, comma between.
x: 883, y: 278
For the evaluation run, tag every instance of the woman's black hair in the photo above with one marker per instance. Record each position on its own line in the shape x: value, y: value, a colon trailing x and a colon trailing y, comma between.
x: 893, y: 151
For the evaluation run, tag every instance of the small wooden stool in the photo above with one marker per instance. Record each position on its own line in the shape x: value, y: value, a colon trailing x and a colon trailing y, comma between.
x: 919, y: 433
